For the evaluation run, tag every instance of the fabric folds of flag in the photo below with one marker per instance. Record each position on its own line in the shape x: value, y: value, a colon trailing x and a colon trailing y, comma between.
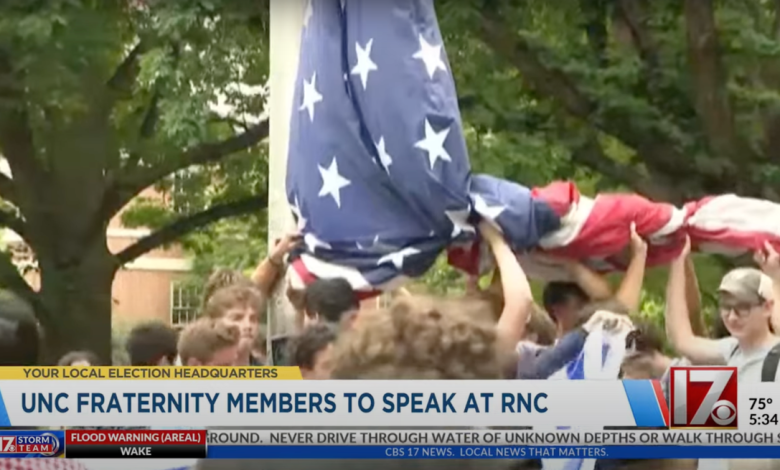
x: 593, y: 230
x: 732, y: 225
x: 378, y: 175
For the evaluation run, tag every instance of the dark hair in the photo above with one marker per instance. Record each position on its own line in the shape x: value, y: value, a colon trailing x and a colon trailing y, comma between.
x: 645, y: 338
x: 19, y: 342
x: 330, y: 299
x: 147, y: 344
x: 76, y: 356
x: 558, y: 293
x: 609, y: 305
x: 20, y: 336
x: 304, y: 347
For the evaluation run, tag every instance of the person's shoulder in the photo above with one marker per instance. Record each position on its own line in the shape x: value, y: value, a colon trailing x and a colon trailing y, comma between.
x: 728, y: 347
x: 530, y: 347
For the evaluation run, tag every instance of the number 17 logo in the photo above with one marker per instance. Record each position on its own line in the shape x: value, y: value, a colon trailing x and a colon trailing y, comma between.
x: 7, y: 443
x: 704, y: 397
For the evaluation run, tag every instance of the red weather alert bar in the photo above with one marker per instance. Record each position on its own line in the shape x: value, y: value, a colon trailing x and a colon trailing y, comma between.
x: 104, y: 444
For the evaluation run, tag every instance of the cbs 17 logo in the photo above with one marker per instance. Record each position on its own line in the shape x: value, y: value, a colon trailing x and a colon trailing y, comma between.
x: 704, y: 397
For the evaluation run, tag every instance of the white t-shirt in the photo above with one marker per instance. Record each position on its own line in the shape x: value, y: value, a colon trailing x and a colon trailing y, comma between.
x: 749, y: 371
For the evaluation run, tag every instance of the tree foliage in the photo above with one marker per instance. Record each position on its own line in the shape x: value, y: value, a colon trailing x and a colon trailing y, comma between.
x: 102, y: 99
x: 672, y: 99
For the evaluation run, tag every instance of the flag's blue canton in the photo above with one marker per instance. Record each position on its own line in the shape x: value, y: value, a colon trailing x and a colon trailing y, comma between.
x: 378, y: 173
x: 523, y: 219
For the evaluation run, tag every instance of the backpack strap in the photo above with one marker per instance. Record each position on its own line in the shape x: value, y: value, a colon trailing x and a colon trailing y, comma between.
x: 734, y: 352
x: 771, y: 361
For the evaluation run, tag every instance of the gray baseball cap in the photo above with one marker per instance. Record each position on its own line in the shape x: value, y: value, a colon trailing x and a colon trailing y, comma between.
x: 748, y: 285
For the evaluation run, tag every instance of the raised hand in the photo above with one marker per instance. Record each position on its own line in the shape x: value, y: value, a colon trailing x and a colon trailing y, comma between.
x: 637, y: 243
x: 768, y: 260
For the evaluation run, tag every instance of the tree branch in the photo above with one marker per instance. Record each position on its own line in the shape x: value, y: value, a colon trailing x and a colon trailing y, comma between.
x: 16, y: 137
x: 136, y: 180
x: 125, y: 75
x: 711, y: 96
x: 177, y: 229
x: 634, y: 15
x: 591, y: 154
x: 548, y: 82
x: 770, y: 73
x: 595, y: 25
x: 655, y: 147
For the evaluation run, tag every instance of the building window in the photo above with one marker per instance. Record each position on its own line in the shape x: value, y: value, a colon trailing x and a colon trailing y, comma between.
x: 186, y: 193
x: 185, y: 301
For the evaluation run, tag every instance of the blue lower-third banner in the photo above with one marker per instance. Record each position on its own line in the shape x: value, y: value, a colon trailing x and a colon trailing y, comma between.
x: 493, y: 452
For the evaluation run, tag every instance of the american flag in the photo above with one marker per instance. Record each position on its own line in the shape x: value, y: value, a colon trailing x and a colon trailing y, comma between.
x: 378, y: 175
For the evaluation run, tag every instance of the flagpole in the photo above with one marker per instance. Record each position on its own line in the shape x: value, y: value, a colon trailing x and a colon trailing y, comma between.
x: 286, y: 23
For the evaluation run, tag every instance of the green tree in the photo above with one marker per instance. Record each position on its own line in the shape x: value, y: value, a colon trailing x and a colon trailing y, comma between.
x: 102, y: 99
x: 672, y: 99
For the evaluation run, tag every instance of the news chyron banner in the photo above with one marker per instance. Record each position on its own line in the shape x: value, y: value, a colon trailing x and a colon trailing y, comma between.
x: 708, y: 416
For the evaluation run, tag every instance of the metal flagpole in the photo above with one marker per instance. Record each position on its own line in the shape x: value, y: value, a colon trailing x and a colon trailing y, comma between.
x: 286, y: 18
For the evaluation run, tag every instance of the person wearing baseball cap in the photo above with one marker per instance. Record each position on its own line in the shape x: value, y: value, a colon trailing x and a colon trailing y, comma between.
x: 746, y: 307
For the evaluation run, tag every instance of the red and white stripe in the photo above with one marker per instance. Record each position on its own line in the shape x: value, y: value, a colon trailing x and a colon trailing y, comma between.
x: 596, y: 231
x: 733, y: 225
x: 306, y: 269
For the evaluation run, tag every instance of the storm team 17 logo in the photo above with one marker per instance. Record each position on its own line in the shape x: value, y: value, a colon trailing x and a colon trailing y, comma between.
x: 704, y: 397
x: 30, y: 444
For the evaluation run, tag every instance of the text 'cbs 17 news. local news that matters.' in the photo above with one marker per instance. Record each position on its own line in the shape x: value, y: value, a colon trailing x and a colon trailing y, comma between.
x: 708, y: 416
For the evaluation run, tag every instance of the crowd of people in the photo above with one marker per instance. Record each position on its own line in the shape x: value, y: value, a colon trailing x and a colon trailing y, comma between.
x: 498, y: 332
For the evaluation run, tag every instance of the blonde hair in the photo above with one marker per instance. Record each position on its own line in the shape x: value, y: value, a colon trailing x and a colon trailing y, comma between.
x: 234, y: 296
x: 420, y: 338
x: 222, y: 278
x: 204, y: 338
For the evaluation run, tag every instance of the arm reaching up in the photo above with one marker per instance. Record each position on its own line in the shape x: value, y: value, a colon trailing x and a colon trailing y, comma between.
x: 518, y: 299
x: 769, y: 262
x: 693, y: 298
x: 630, y: 291
x: 270, y: 269
x: 594, y: 284
x: 697, y: 349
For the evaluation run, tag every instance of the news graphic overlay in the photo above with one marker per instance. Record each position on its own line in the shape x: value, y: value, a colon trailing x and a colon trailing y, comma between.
x: 510, y: 444
x: 31, y: 444
x: 134, y: 444
x: 704, y: 397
